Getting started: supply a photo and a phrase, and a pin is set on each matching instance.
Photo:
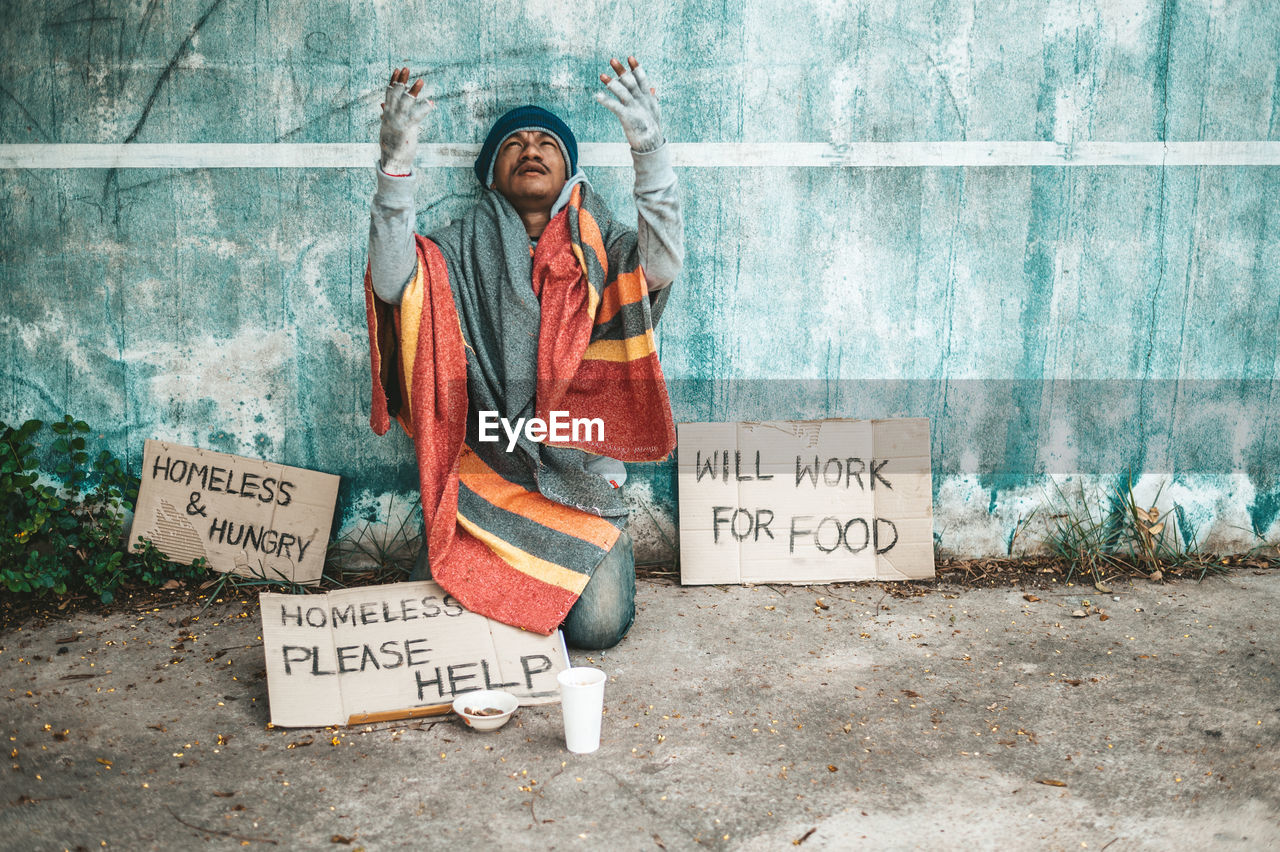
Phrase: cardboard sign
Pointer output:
(358, 655)
(246, 516)
(805, 501)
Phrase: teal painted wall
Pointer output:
(1050, 320)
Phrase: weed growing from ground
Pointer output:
(1123, 537)
(376, 553)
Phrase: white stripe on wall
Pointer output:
(691, 155)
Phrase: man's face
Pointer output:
(529, 170)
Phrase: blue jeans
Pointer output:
(606, 609)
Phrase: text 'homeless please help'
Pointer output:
(431, 679)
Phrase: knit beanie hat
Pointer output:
(525, 118)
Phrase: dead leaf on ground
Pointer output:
(821, 604)
(911, 693)
(338, 838)
(222, 795)
(1051, 782)
(1031, 598)
(305, 741)
(802, 838)
(172, 584)
(1079, 613)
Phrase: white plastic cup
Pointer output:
(582, 703)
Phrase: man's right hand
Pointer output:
(402, 114)
(636, 105)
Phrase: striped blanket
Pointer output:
(486, 325)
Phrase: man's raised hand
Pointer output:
(402, 114)
(636, 105)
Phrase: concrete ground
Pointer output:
(736, 718)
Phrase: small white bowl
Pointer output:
(485, 699)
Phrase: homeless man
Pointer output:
(536, 305)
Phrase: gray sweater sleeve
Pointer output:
(660, 227)
(392, 255)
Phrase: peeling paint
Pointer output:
(223, 307)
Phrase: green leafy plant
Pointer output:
(65, 537)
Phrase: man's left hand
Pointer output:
(636, 105)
